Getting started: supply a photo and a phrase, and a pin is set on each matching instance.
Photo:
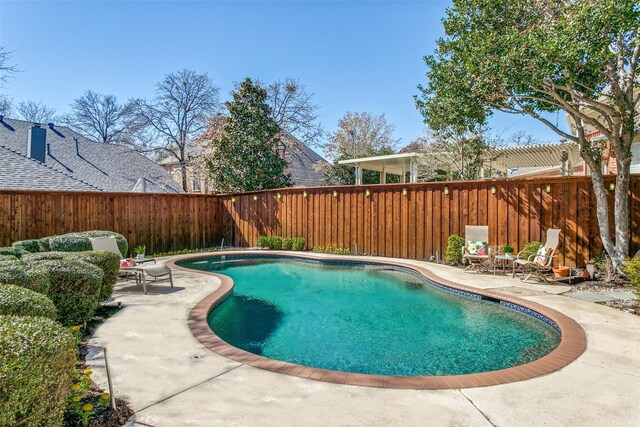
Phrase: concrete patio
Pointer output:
(170, 379)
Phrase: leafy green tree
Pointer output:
(358, 135)
(245, 156)
(537, 57)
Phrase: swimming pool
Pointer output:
(369, 319)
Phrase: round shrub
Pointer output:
(28, 245)
(26, 275)
(16, 252)
(79, 242)
(37, 358)
(8, 258)
(632, 270)
(299, 244)
(531, 248)
(275, 242)
(453, 255)
(108, 262)
(74, 288)
(20, 301)
(287, 244)
(262, 242)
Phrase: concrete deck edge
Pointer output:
(572, 344)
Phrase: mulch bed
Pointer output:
(601, 287)
(102, 417)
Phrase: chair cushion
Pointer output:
(477, 247)
(542, 257)
(156, 270)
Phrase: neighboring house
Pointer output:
(303, 164)
(608, 162)
(50, 157)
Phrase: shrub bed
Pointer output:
(37, 357)
(29, 276)
(74, 288)
(276, 242)
(19, 301)
(8, 258)
(28, 245)
(79, 242)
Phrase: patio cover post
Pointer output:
(358, 174)
(403, 177)
(413, 172)
(383, 176)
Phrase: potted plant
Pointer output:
(508, 250)
(139, 250)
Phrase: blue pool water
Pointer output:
(368, 319)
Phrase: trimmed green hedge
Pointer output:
(37, 359)
(44, 256)
(74, 287)
(28, 276)
(19, 301)
(79, 242)
(8, 258)
(44, 244)
(16, 252)
(28, 245)
(108, 262)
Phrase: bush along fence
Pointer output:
(404, 220)
(49, 289)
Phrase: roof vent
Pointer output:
(1, 117)
(36, 143)
(51, 125)
(77, 146)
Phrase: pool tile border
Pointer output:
(572, 344)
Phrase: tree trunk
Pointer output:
(621, 217)
(618, 250)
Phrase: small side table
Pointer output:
(504, 260)
(144, 260)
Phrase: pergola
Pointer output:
(506, 161)
(396, 164)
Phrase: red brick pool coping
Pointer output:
(572, 344)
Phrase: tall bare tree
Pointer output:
(36, 112)
(293, 109)
(183, 102)
(358, 135)
(6, 70)
(98, 117)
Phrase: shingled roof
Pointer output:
(73, 162)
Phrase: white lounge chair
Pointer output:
(476, 251)
(542, 261)
(156, 271)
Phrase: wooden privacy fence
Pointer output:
(415, 220)
(404, 220)
(161, 222)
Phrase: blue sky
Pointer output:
(355, 56)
